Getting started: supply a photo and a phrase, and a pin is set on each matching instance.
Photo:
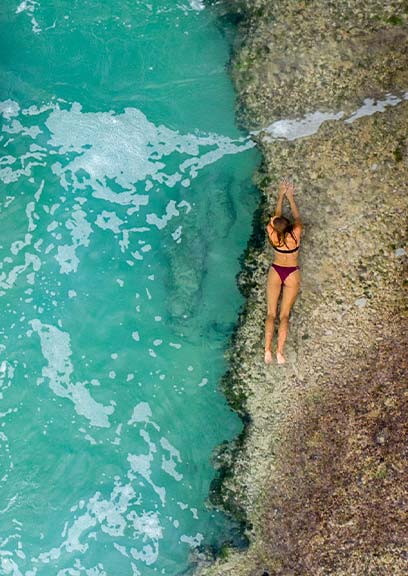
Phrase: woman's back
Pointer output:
(286, 251)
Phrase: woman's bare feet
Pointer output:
(280, 358)
(268, 357)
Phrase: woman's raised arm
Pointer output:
(293, 206)
(281, 194)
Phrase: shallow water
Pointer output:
(126, 200)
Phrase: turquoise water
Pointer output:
(126, 201)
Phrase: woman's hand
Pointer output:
(289, 190)
(285, 187)
(282, 187)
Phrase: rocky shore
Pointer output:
(320, 474)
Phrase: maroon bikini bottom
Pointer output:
(284, 271)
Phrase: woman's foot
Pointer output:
(268, 357)
(280, 358)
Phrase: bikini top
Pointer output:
(286, 251)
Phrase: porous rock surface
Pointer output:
(321, 474)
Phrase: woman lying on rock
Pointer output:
(284, 274)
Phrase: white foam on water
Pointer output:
(26, 6)
(292, 129)
(161, 222)
(8, 280)
(7, 565)
(148, 554)
(18, 245)
(193, 541)
(56, 349)
(15, 127)
(175, 345)
(128, 148)
(141, 413)
(197, 5)
(169, 464)
(141, 466)
(29, 6)
(81, 230)
(116, 157)
(36, 110)
(109, 221)
(371, 106)
(147, 525)
(9, 108)
(115, 516)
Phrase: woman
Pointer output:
(284, 274)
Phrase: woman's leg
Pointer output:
(273, 289)
(290, 291)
